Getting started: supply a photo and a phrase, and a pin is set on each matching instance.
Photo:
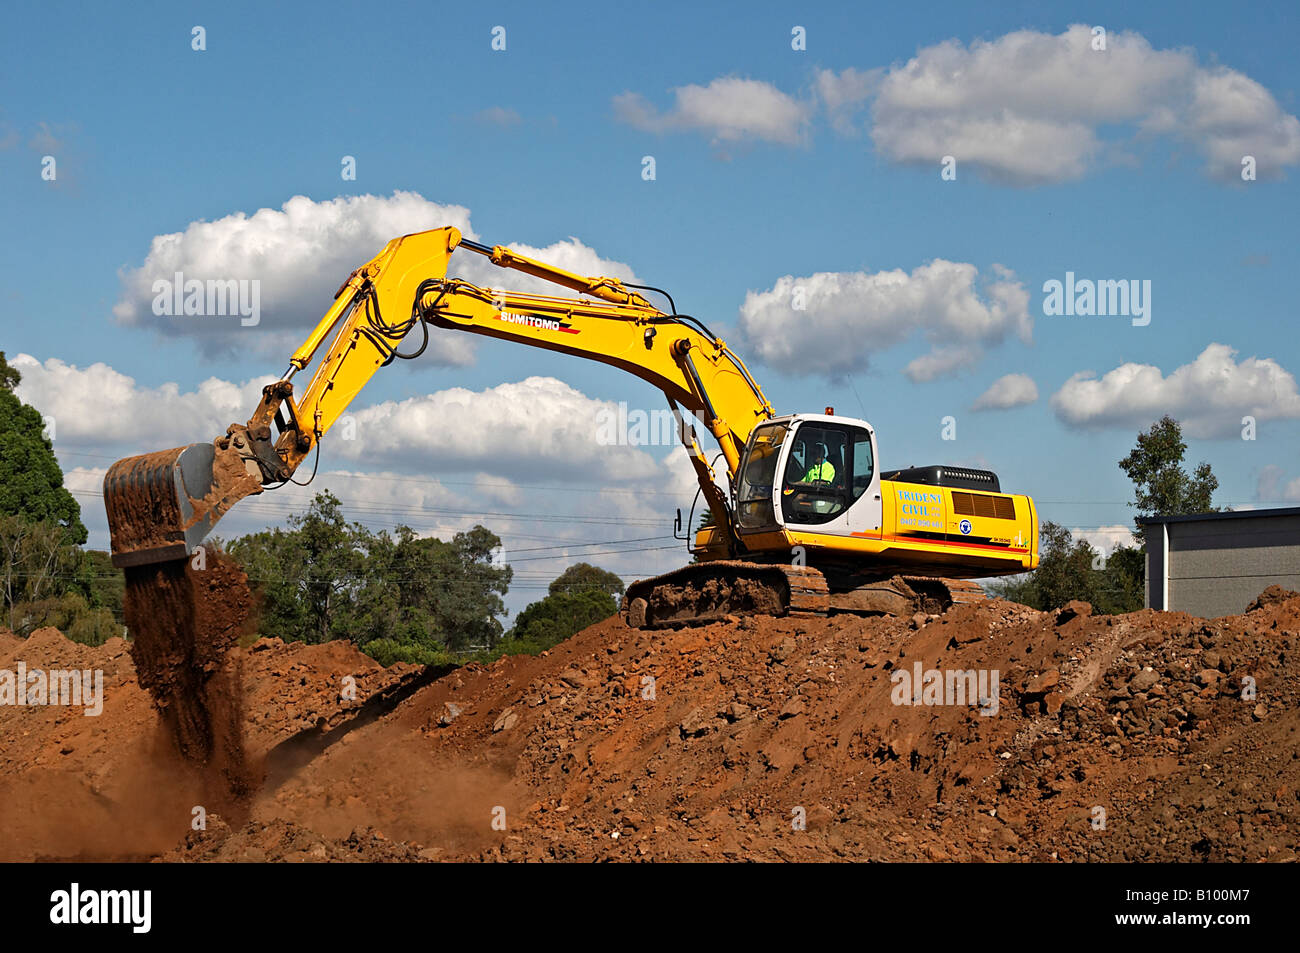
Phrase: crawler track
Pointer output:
(709, 591)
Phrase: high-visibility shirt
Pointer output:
(819, 471)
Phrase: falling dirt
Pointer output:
(1143, 737)
(184, 622)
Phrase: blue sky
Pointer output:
(539, 143)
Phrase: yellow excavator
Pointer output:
(809, 523)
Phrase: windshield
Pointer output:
(816, 474)
(754, 499)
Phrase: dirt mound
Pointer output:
(285, 842)
(1271, 596)
(989, 732)
(1131, 737)
(112, 785)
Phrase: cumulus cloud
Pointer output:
(300, 254)
(1208, 397)
(569, 254)
(841, 93)
(624, 528)
(1030, 107)
(380, 499)
(498, 488)
(1010, 390)
(517, 431)
(830, 323)
(98, 405)
(728, 109)
(1106, 539)
(538, 427)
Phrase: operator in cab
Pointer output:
(821, 469)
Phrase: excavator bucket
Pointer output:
(161, 505)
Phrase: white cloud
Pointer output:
(569, 254)
(517, 431)
(380, 499)
(303, 251)
(1106, 539)
(544, 531)
(729, 109)
(498, 488)
(97, 405)
(1030, 107)
(1208, 396)
(942, 362)
(1272, 490)
(1010, 390)
(849, 316)
(535, 428)
(842, 92)
(1232, 116)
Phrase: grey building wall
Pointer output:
(1218, 565)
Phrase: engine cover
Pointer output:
(963, 478)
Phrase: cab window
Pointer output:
(815, 488)
(757, 473)
(864, 467)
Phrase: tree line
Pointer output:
(47, 578)
(403, 597)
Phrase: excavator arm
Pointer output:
(161, 505)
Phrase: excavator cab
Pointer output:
(809, 470)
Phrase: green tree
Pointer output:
(35, 563)
(105, 584)
(274, 566)
(416, 598)
(31, 481)
(330, 559)
(1122, 584)
(9, 376)
(433, 594)
(306, 576)
(1064, 567)
(45, 577)
(475, 586)
(549, 621)
(1067, 570)
(1064, 572)
(46, 580)
(1161, 486)
(581, 576)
